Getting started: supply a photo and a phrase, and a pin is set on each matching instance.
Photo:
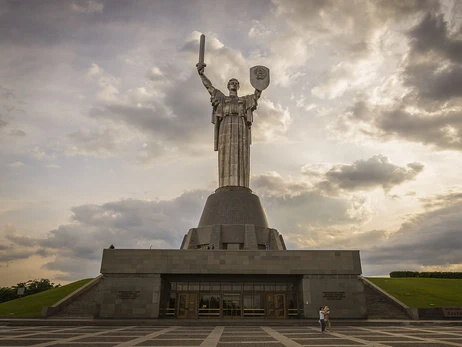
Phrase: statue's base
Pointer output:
(233, 218)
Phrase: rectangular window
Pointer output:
(281, 287)
(182, 286)
(236, 286)
(226, 286)
(205, 286)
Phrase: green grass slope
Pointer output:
(31, 306)
(422, 292)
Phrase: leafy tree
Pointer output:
(30, 287)
(7, 294)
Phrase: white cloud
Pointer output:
(53, 166)
(16, 164)
(87, 6)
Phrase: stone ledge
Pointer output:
(140, 261)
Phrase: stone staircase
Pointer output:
(380, 307)
(81, 307)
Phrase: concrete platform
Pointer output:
(219, 322)
(230, 336)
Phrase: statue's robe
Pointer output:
(233, 117)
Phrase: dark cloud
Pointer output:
(18, 239)
(431, 35)
(431, 238)
(77, 246)
(294, 205)
(441, 200)
(443, 130)
(434, 83)
(433, 68)
(377, 171)
(12, 254)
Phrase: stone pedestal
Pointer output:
(233, 218)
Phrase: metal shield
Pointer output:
(259, 77)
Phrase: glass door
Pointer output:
(232, 306)
(275, 306)
(187, 305)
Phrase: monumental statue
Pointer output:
(232, 116)
(233, 217)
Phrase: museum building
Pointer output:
(245, 273)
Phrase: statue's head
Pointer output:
(233, 85)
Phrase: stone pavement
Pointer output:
(230, 336)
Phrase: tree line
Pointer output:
(433, 274)
(30, 287)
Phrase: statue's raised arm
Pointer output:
(205, 81)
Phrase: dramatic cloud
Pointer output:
(297, 206)
(429, 109)
(431, 238)
(130, 223)
(377, 171)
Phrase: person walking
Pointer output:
(327, 318)
(321, 319)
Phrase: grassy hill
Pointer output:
(31, 306)
(422, 292)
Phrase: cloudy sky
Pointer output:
(105, 133)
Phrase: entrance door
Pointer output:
(232, 306)
(276, 306)
(187, 305)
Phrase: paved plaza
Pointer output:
(230, 336)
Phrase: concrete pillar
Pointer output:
(250, 237)
(215, 237)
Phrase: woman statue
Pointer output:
(233, 117)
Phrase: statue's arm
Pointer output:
(207, 84)
(205, 81)
(257, 94)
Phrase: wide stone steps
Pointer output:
(379, 307)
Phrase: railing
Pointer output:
(295, 313)
(170, 312)
(254, 312)
(209, 312)
(248, 312)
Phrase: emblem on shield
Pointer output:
(259, 77)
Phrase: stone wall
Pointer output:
(138, 261)
(344, 294)
(134, 296)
